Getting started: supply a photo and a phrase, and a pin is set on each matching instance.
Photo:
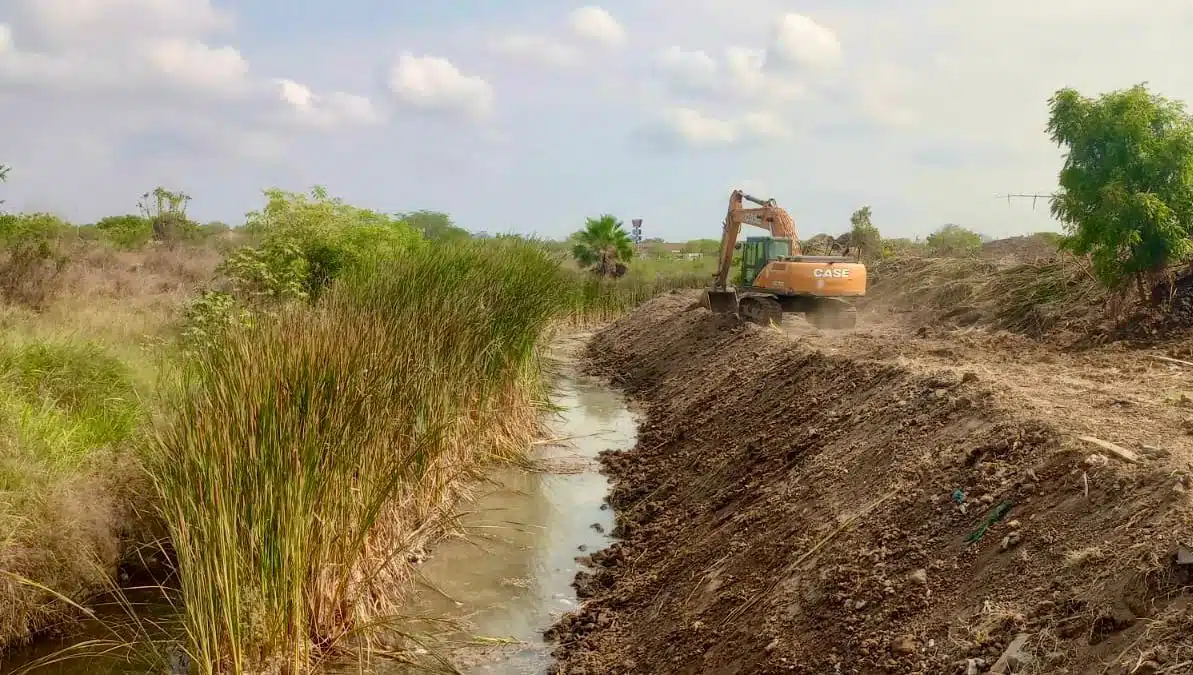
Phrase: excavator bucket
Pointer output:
(721, 302)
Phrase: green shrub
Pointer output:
(953, 241)
(327, 235)
(128, 232)
(33, 260)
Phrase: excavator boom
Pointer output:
(767, 216)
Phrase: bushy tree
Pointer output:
(603, 246)
(1126, 186)
(863, 236)
(435, 226)
(166, 212)
(310, 240)
(952, 241)
(129, 232)
(33, 260)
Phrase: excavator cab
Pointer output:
(756, 252)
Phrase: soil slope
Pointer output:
(811, 502)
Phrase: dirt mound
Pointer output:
(1058, 298)
(1055, 298)
(1030, 248)
(791, 511)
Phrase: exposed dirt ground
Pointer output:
(813, 502)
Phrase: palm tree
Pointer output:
(603, 246)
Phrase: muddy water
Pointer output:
(510, 577)
(490, 593)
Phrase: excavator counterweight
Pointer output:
(776, 278)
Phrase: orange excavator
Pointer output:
(775, 278)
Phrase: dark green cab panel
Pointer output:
(756, 252)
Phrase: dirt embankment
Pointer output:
(885, 501)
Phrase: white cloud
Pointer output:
(799, 50)
(535, 48)
(434, 84)
(689, 70)
(196, 65)
(688, 128)
(738, 76)
(764, 125)
(119, 46)
(336, 110)
(800, 41)
(78, 22)
(598, 26)
(297, 95)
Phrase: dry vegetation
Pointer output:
(279, 414)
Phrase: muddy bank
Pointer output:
(788, 510)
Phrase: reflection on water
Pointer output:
(511, 577)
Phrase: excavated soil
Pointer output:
(814, 502)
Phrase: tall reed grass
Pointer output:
(308, 454)
(596, 300)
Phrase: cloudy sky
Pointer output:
(528, 115)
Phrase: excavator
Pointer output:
(776, 278)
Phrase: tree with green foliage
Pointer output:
(863, 236)
(435, 226)
(4, 169)
(1126, 186)
(954, 241)
(307, 241)
(128, 232)
(166, 212)
(33, 260)
(603, 246)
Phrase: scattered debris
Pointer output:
(993, 518)
(1169, 359)
(1114, 449)
(1014, 658)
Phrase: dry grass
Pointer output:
(72, 380)
(1035, 299)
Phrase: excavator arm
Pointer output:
(767, 216)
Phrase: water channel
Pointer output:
(511, 577)
(508, 577)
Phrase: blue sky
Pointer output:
(528, 116)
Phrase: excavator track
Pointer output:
(760, 310)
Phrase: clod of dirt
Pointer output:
(905, 645)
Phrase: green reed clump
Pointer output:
(593, 299)
(306, 454)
